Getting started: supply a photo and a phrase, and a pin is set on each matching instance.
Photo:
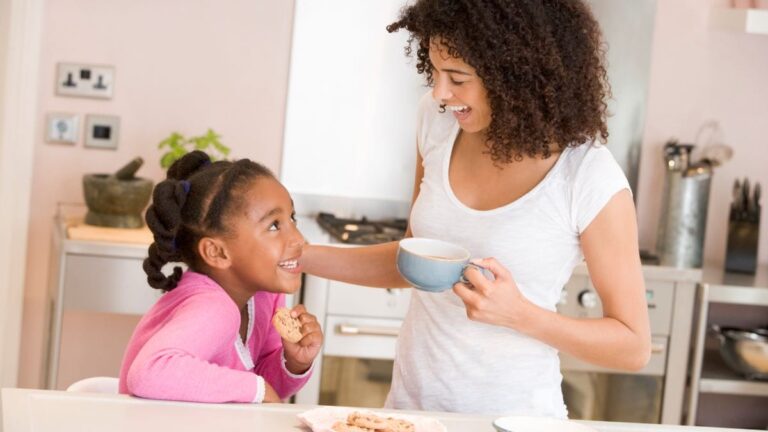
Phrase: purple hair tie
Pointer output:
(185, 184)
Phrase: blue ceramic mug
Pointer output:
(431, 265)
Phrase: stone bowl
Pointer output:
(116, 203)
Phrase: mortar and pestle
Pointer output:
(117, 200)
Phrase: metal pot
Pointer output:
(744, 351)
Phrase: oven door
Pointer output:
(594, 393)
(357, 361)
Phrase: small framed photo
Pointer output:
(102, 131)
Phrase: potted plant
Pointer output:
(177, 145)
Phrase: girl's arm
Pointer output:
(622, 338)
(174, 363)
(373, 266)
(274, 364)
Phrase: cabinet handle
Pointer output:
(347, 329)
(657, 348)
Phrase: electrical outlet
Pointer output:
(62, 128)
(83, 80)
(102, 131)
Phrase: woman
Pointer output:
(509, 167)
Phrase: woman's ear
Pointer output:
(214, 253)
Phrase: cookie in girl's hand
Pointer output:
(287, 326)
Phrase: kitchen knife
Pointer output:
(745, 197)
(735, 207)
(756, 202)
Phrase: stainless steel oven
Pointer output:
(654, 394)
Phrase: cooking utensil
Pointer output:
(744, 351)
(717, 154)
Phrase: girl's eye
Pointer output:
(458, 83)
(274, 226)
(293, 219)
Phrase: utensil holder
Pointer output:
(741, 252)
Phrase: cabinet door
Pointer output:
(107, 284)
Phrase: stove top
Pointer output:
(362, 231)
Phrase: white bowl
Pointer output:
(538, 424)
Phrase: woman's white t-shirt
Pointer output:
(444, 361)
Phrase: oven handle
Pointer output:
(657, 348)
(349, 329)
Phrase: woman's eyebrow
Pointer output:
(456, 71)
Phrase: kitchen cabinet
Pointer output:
(720, 396)
(97, 284)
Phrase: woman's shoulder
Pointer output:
(588, 160)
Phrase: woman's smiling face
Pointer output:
(457, 86)
(264, 241)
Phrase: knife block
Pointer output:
(741, 252)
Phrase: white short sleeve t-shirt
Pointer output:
(444, 361)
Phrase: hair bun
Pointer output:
(189, 164)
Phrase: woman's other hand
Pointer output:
(498, 301)
(300, 355)
(270, 395)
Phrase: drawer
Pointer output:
(655, 367)
(355, 300)
(347, 336)
(107, 284)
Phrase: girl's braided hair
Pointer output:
(541, 62)
(194, 201)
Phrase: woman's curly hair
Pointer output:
(541, 62)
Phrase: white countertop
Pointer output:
(26, 410)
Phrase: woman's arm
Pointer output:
(621, 339)
(373, 266)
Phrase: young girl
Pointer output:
(209, 338)
(508, 167)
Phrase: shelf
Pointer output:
(737, 288)
(716, 377)
(754, 21)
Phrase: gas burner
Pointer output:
(363, 231)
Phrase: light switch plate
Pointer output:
(62, 128)
(84, 80)
(102, 131)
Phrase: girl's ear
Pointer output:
(214, 252)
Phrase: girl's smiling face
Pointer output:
(264, 243)
(459, 88)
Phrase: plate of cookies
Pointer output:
(340, 419)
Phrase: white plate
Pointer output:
(322, 419)
(538, 424)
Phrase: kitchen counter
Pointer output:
(48, 411)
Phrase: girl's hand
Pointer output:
(270, 395)
(497, 302)
(299, 355)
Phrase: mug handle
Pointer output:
(466, 281)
